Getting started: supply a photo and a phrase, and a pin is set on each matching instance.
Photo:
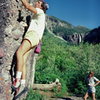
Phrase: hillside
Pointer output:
(65, 30)
(53, 23)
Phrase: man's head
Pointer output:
(91, 74)
(42, 5)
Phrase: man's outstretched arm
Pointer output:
(29, 7)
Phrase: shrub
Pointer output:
(34, 95)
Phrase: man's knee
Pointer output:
(84, 98)
(19, 52)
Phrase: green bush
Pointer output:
(34, 95)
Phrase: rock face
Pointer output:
(75, 38)
(93, 36)
(13, 21)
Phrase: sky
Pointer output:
(77, 12)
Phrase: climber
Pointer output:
(31, 39)
(90, 80)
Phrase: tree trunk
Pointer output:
(47, 86)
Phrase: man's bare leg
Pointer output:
(23, 78)
(22, 50)
(86, 96)
(93, 96)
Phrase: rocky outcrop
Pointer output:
(13, 24)
(75, 38)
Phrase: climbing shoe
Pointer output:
(16, 84)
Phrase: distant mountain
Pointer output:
(66, 30)
(54, 23)
(93, 36)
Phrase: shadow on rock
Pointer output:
(93, 36)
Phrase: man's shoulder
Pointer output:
(39, 11)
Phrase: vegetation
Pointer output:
(63, 31)
(81, 29)
(34, 95)
(69, 63)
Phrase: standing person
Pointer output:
(31, 39)
(91, 83)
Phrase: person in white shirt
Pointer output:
(91, 83)
(31, 39)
